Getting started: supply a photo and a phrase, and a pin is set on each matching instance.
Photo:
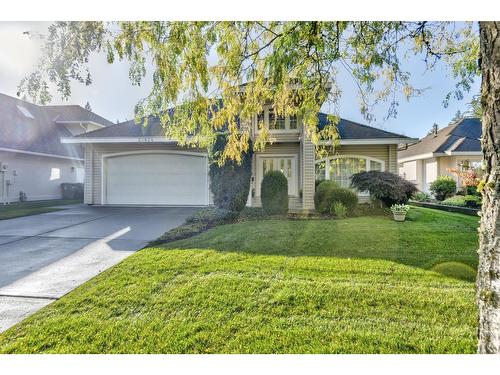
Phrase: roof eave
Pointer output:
(372, 141)
(143, 139)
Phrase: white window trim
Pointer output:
(368, 159)
(287, 129)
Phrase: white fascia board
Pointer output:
(421, 156)
(81, 122)
(117, 140)
(373, 141)
(39, 154)
(464, 153)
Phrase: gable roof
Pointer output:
(348, 130)
(461, 136)
(32, 128)
(75, 113)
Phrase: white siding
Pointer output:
(40, 177)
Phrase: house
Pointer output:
(130, 164)
(457, 146)
(33, 160)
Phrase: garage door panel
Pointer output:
(169, 179)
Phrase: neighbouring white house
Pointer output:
(33, 160)
(133, 164)
(456, 146)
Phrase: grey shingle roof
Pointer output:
(41, 133)
(461, 136)
(76, 113)
(347, 130)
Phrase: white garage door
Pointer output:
(156, 178)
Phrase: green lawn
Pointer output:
(360, 285)
(18, 209)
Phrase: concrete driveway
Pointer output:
(43, 257)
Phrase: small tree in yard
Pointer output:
(229, 182)
(388, 187)
(274, 193)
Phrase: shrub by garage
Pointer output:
(230, 180)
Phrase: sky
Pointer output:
(113, 96)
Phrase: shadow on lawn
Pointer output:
(428, 239)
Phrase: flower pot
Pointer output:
(399, 216)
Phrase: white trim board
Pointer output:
(38, 154)
(373, 141)
(117, 140)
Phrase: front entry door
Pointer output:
(286, 164)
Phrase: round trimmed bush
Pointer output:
(443, 187)
(274, 193)
(322, 190)
(328, 193)
(456, 269)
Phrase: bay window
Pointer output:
(341, 168)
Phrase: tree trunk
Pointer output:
(488, 279)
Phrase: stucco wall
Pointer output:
(40, 177)
(427, 170)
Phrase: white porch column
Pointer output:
(308, 174)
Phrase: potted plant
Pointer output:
(399, 211)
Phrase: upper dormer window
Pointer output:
(277, 123)
(25, 112)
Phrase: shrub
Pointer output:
(339, 210)
(72, 190)
(472, 200)
(252, 213)
(420, 196)
(388, 187)
(472, 190)
(457, 200)
(329, 193)
(443, 187)
(321, 191)
(212, 216)
(198, 222)
(274, 193)
(457, 270)
(230, 182)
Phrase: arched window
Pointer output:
(340, 168)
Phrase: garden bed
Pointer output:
(443, 207)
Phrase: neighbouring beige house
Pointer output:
(32, 159)
(457, 146)
(129, 164)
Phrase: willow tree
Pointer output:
(294, 65)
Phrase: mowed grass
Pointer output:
(18, 209)
(360, 285)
